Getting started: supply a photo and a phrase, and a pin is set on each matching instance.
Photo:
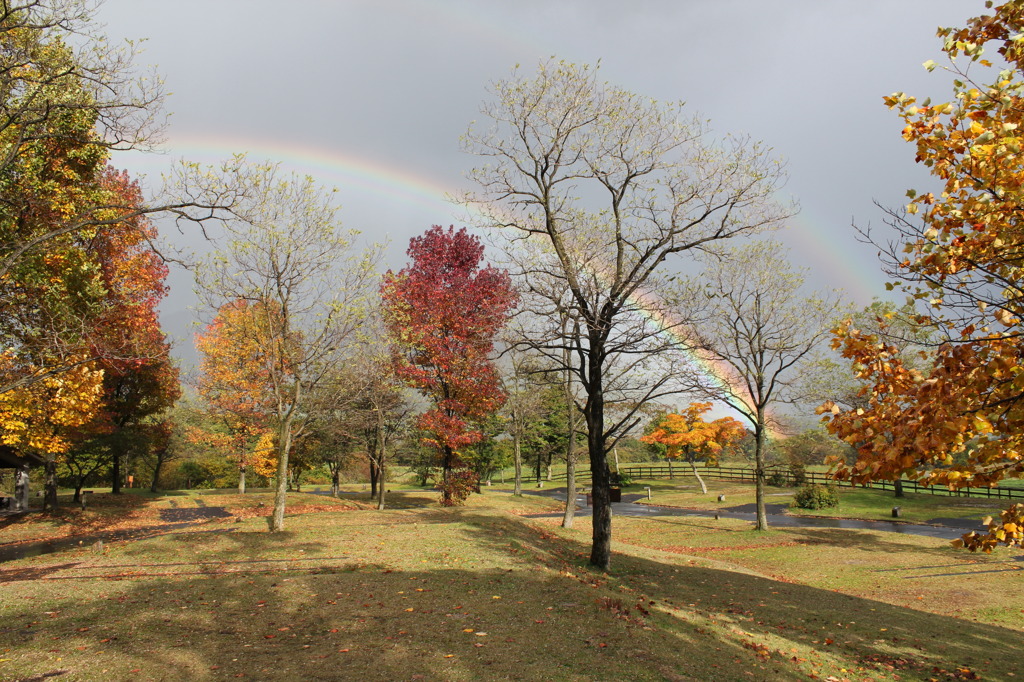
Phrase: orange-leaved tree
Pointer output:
(689, 438)
(959, 421)
(235, 384)
(442, 313)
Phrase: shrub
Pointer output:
(777, 479)
(816, 496)
(622, 480)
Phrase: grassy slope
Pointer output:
(478, 593)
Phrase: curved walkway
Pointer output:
(946, 529)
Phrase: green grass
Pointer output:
(480, 593)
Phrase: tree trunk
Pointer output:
(601, 550)
(21, 488)
(373, 477)
(670, 474)
(703, 487)
(160, 456)
(518, 460)
(241, 480)
(79, 484)
(381, 459)
(380, 481)
(335, 480)
(115, 473)
(570, 476)
(50, 486)
(446, 476)
(898, 487)
(762, 516)
(572, 418)
(284, 440)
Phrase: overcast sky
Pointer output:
(372, 96)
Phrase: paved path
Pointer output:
(628, 507)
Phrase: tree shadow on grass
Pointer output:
(161, 609)
(870, 633)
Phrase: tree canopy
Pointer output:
(957, 421)
(443, 312)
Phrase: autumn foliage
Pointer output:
(959, 423)
(235, 384)
(442, 312)
(688, 437)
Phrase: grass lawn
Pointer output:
(478, 592)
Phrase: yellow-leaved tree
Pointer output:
(958, 420)
(39, 418)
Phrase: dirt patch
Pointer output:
(193, 514)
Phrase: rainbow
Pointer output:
(344, 171)
(711, 367)
(350, 171)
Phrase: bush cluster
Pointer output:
(816, 496)
(777, 480)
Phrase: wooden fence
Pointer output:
(745, 475)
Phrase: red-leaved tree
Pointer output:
(442, 313)
(139, 380)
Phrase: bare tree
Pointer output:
(760, 328)
(385, 411)
(601, 187)
(308, 289)
(523, 402)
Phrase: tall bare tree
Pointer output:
(307, 286)
(760, 327)
(601, 187)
